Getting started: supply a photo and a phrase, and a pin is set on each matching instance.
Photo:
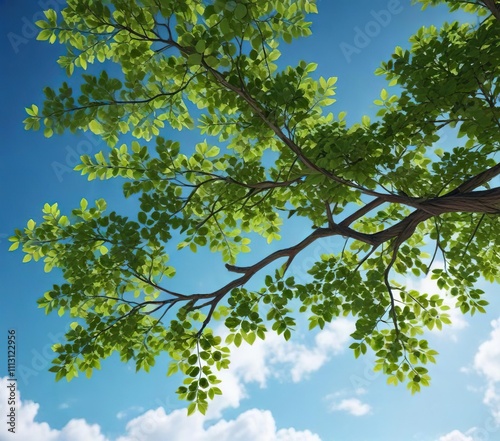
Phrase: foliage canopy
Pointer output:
(385, 187)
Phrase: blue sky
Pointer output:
(309, 389)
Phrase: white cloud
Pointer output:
(488, 431)
(133, 409)
(354, 406)
(27, 429)
(265, 359)
(487, 363)
(487, 359)
(254, 424)
(456, 435)
(153, 425)
(332, 340)
(80, 430)
(276, 358)
(492, 399)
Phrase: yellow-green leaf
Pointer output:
(96, 127)
(191, 408)
(44, 35)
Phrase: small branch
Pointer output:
(389, 290)
(361, 212)
(329, 215)
(473, 234)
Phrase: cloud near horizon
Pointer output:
(456, 435)
(153, 425)
(276, 358)
(265, 359)
(487, 364)
(353, 406)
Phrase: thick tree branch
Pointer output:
(455, 201)
(493, 7)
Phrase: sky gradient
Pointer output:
(308, 389)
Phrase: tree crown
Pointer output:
(385, 188)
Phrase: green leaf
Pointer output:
(240, 11)
(214, 151)
(194, 60)
(172, 369)
(237, 340)
(200, 47)
(63, 221)
(33, 111)
(96, 127)
(212, 61)
(225, 28)
(44, 34)
(191, 409)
